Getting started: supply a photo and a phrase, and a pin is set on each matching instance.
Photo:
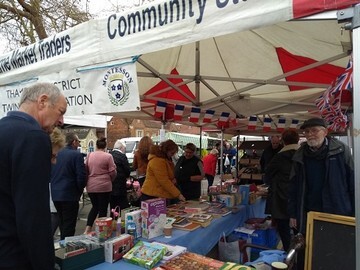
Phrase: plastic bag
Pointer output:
(229, 251)
(227, 161)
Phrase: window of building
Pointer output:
(91, 146)
(139, 133)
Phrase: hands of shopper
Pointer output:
(181, 198)
(293, 223)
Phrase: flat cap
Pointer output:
(314, 122)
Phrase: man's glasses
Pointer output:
(313, 130)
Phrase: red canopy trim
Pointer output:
(324, 74)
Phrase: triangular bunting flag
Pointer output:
(224, 117)
(294, 124)
(281, 125)
(178, 112)
(208, 116)
(160, 109)
(267, 124)
(194, 115)
(252, 122)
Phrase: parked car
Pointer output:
(131, 145)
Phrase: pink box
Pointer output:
(153, 217)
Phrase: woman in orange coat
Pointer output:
(159, 180)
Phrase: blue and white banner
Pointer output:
(97, 90)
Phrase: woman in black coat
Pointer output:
(277, 174)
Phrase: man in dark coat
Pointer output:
(189, 172)
(270, 151)
(322, 177)
(26, 241)
(119, 192)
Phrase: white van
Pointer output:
(131, 145)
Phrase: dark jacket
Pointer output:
(267, 156)
(25, 166)
(184, 169)
(278, 175)
(68, 176)
(338, 189)
(123, 172)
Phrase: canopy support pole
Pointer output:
(353, 15)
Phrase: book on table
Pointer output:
(219, 212)
(186, 225)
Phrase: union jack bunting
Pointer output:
(329, 103)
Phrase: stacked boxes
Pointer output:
(116, 248)
(153, 217)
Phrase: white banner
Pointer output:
(93, 91)
(152, 27)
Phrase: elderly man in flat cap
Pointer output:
(322, 177)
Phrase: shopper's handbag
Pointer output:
(229, 251)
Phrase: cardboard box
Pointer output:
(134, 216)
(153, 217)
(244, 161)
(81, 261)
(228, 176)
(246, 176)
(254, 161)
(228, 199)
(116, 248)
(128, 210)
(257, 176)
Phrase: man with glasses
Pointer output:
(322, 177)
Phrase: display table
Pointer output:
(202, 240)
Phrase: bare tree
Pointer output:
(25, 22)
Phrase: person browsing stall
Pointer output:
(119, 193)
(322, 177)
(101, 171)
(278, 174)
(210, 161)
(159, 181)
(189, 172)
(57, 143)
(141, 158)
(25, 168)
(68, 179)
